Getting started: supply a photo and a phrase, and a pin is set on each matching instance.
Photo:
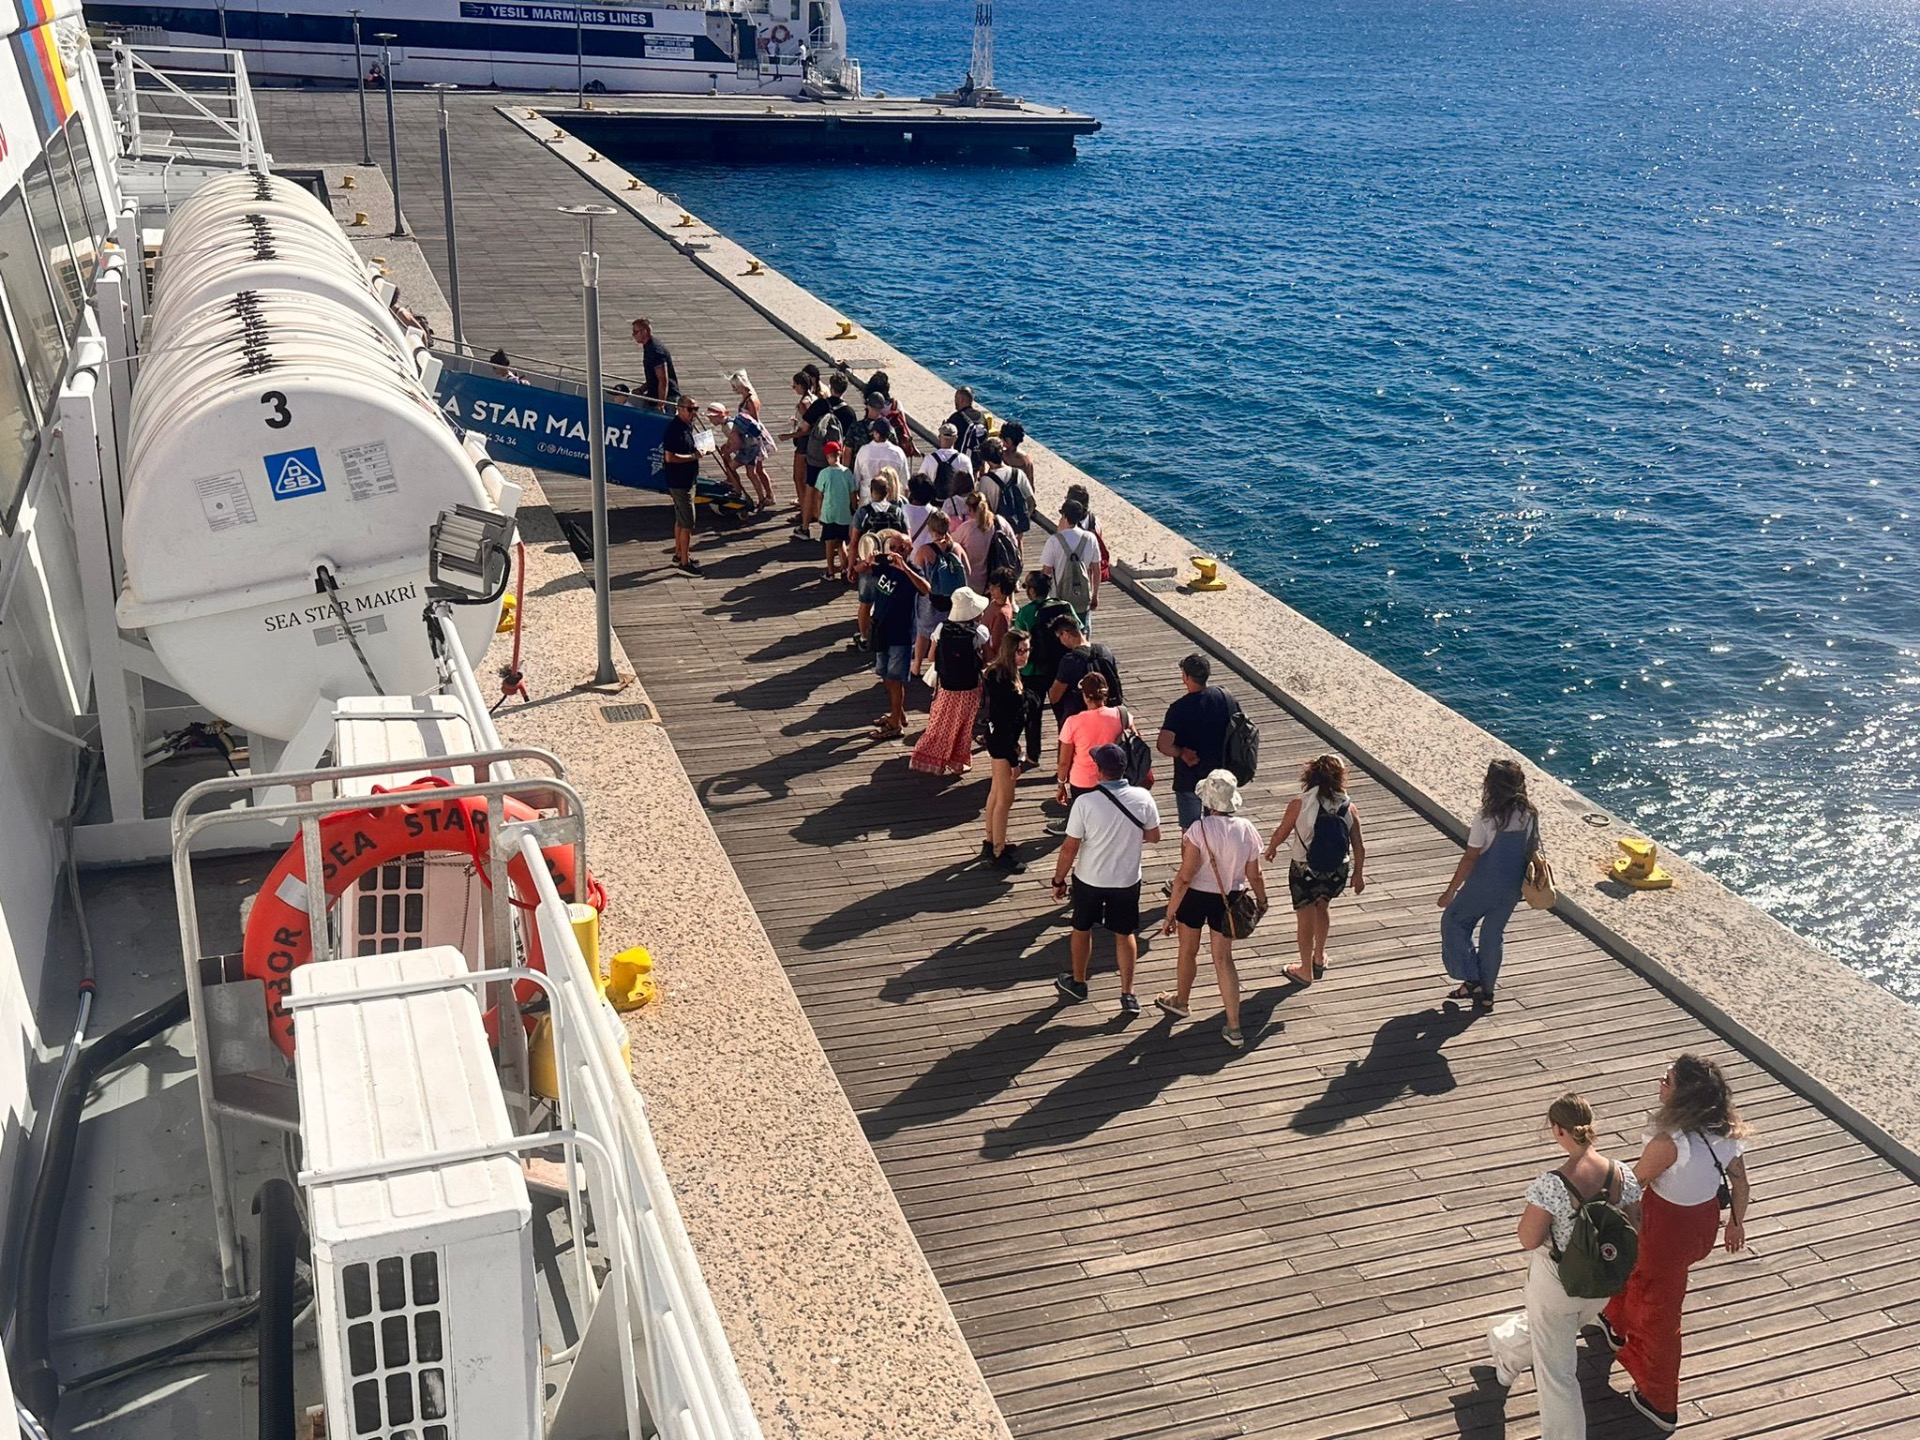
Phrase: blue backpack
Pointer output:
(946, 574)
(1331, 842)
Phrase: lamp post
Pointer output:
(446, 198)
(596, 443)
(386, 39)
(360, 84)
(579, 61)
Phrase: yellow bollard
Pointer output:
(632, 184)
(630, 983)
(1637, 867)
(845, 333)
(543, 1069)
(684, 221)
(592, 155)
(507, 607)
(359, 217)
(586, 933)
(1208, 577)
(347, 182)
(753, 268)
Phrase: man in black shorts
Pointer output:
(680, 458)
(1106, 829)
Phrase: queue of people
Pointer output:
(934, 546)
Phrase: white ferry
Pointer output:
(411, 1183)
(729, 47)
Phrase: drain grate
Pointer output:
(1159, 585)
(627, 714)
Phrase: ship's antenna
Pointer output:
(981, 72)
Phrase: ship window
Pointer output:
(43, 209)
(19, 434)
(97, 201)
(34, 320)
(83, 220)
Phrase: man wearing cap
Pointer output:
(836, 486)
(944, 462)
(680, 458)
(880, 453)
(1099, 866)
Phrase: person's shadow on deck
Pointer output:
(1130, 1078)
(791, 687)
(774, 594)
(962, 1079)
(1405, 1059)
(772, 778)
(963, 885)
(988, 959)
(901, 804)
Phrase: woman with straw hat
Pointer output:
(1219, 856)
(946, 746)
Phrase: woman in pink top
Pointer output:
(1098, 724)
(973, 533)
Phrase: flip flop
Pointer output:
(1294, 975)
(1320, 970)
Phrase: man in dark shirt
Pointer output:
(1194, 734)
(657, 362)
(969, 425)
(680, 458)
(1077, 657)
(896, 587)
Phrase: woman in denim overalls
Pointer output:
(1486, 884)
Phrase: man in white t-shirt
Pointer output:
(945, 462)
(1085, 546)
(1106, 829)
(876, 455)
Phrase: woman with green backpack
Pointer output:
(1576, 1235)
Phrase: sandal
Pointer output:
(1170, 1005)
(885, 731)
(1319, 969)
(1294, 975)
(1483, 1004)
(1464, 992)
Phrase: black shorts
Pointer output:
(1118, 910)
(1003, 746)
(1203, 908)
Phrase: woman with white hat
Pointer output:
(1219, 857)
(946, 746)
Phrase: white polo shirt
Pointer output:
(1110, 843)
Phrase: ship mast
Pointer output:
(980, 73)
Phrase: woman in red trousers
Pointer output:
(1692, 1169)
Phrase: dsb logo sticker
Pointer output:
(295, 472)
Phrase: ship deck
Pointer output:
(1142, 1233)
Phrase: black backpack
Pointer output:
(1332, 842)
(1601, 1252)
(1241, 753)
(955, 660)
(1100, 658)
(943, 472)
(1139, 754)
(1016, 504)
(1002, 553)
(1044, 654)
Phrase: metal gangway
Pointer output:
(182, 113)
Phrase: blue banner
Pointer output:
(547, 429)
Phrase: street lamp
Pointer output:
(360, 84)
(446, 197)
(579, 61)
(386, 39)
(596, 443)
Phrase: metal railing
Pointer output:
(178, 103)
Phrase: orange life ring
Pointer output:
(780, 34)
(352, 842)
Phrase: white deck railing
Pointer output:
(177, 103)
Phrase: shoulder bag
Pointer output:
(1536, 886)
(1243, 911)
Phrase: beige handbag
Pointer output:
(1536, 888)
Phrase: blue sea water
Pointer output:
(1563, 357)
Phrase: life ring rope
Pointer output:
(780, 34)
(354, 842)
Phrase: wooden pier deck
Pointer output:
(1143, 1233)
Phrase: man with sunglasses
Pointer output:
(680, 458)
